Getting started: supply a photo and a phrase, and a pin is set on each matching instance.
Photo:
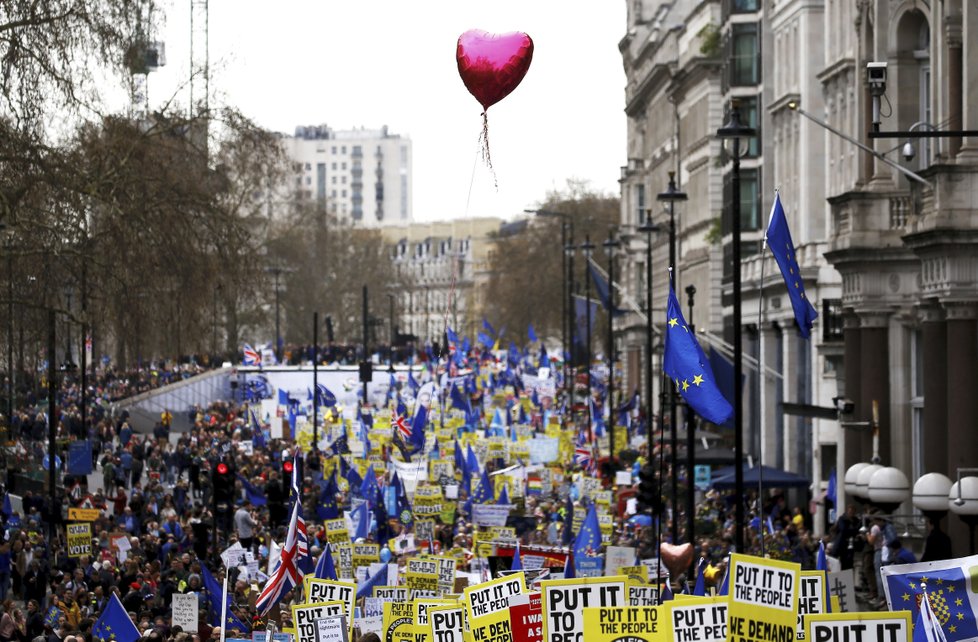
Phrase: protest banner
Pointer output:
(491, 514)
(842, 587)
(811, 598)
(698, 619)
(183, 611)
(637, 575)
(564, 602)
(763, 598)
(332, 591)
(398, 622)
(859, 627)
(445, 623)
(79, 539)
(487, 608)
(365, 554)
(647, 595)
(333, 629)
(526, 617)
(619, 623)
(83, 514)
(305, 618)
(391, 593)
(422, 631)
(336, 531)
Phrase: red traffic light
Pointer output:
(287, 466)
(222, 469)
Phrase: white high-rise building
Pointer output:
(363, 176)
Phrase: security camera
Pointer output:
(908, 151)
(876, 77)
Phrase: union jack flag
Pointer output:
(294, 558)
(400, 423)
(251, 356)
(583, 457)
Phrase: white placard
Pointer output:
(184, 611)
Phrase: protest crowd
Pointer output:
(175, 513)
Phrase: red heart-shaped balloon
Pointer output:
(676, 558)
(492, 65)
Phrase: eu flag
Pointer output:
(114, 624)
(326, 507)
(214, 593)
(949, 586)
(685, 363)
(484, 492)
(778, 239)
(588, 542)
(325, 569)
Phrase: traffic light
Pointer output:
(648, 490)
(223, 481)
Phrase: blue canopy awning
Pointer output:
(768, 477)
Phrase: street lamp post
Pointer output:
(277, 273)
(648, 228)
(734, 130)
(587, 247)
(671, 196)
(610, 246)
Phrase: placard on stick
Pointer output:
(564, 602)
(763, 598)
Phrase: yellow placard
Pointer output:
(563, 603)
(812, 593)
(487, 608)
(445, 623)
(317, 590)
(763, 600)
(306, 616)
(637, 575)
(422, 630)
(83, 514)
(880, 626)
(699, 619)
(79, 539)
(365, 555)
(398, 622)
(634, 623)
(336, 532)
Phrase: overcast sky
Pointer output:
(368, 63)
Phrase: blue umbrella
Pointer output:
(640, 520)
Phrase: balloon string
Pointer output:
(486, 156)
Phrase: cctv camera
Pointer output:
(876, 77)
(908, 151)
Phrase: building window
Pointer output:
(750, 201)
(343, 166)
(749, 116)
(308, 167)
(745, 59)
(744, 6)
(640, 204)
(343, 180)
(321, 181)
(333, 151)
(832, 325)
(343, 149)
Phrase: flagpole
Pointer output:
(224, 606)
(761, 377)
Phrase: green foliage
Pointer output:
(710, 40)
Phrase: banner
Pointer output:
(445, 623)
(700, 619)
(811, 599)
(859, 627)
(305, 618)
(564, 602)
(631, 623)
(526, 617)
(183, 611)
(491, 514)
(949, 587)
(79, 539)
(763, 600)
(398, 622)
(487, 608)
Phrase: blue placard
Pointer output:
(701, 477)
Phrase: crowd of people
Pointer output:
(158, 491)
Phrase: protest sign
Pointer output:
(422, 632)
(446, 574)
(421, 583)
(391, 593)
(564, 602)
(79, 539)
(445, 623)
(262, 636)
(83, 514)
(332, 591)
(373, 607)
(491, 514)
(763, 600)
(636, 574)
(344, 560)
(365, 554)
(372, 624)
(643, 595)
(336, 531)
(859, 627)
(811, 598)
(616, 557)
(486, 606)
(526, 617)
(398, 622)
(631, 623)
(424, 530)
(699, 619)
(333, 629)
(183, 611)
(305, 618)
(842, 587)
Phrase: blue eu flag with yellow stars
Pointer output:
(114, 624)
(685, 363)
(951, 587)
(779, 240)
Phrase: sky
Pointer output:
(369, 63)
